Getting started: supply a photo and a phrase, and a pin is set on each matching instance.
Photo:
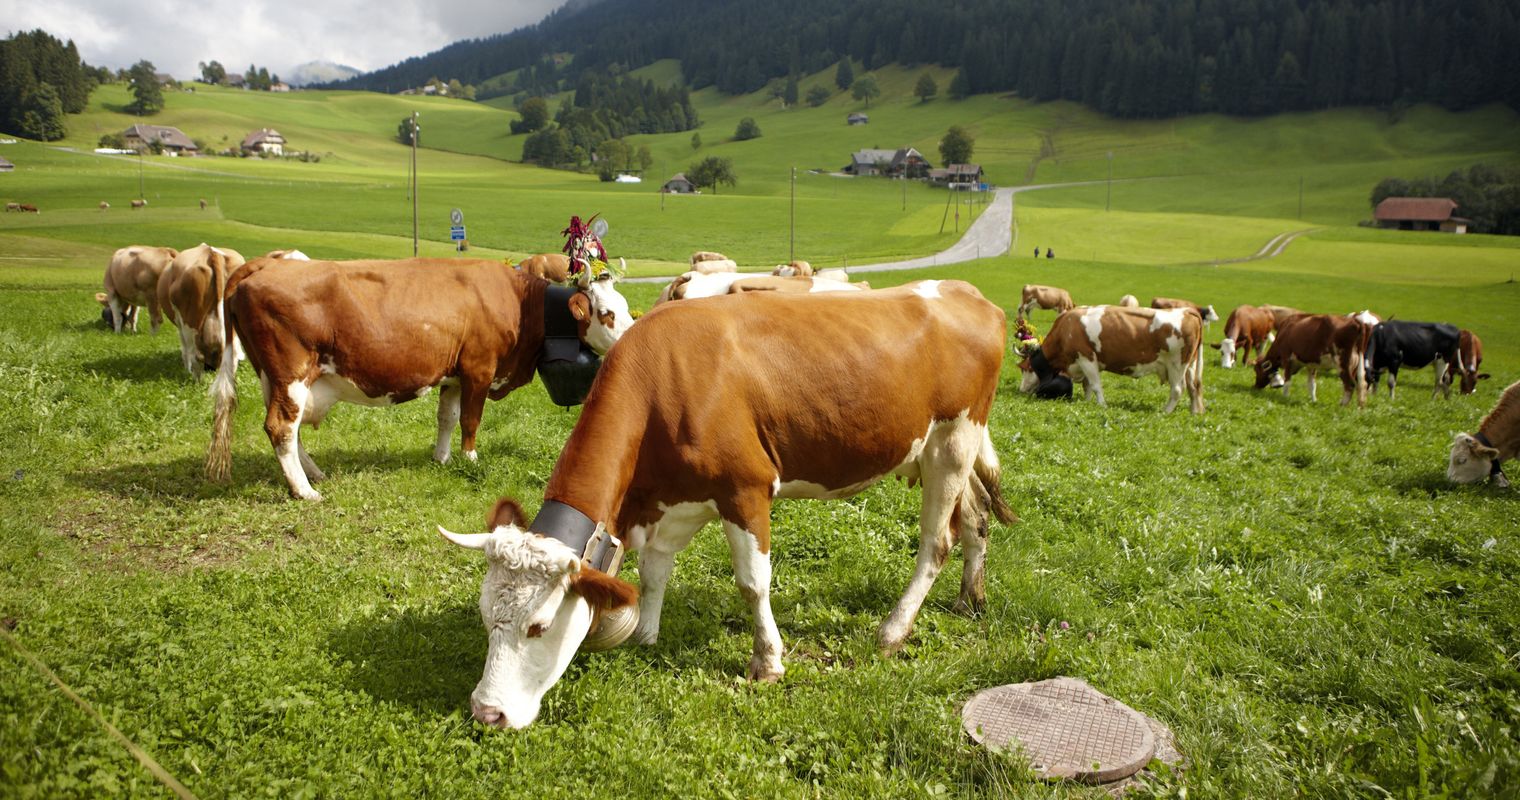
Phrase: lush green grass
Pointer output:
(1293, 587)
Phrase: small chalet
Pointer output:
(6, 166)
(164, 78)
(957, 176)
(173, 140)
(857, 118)
(904, 162)
(237, 81)
(1420, 214)
(279, 87)
(679, 185)
(264, 140)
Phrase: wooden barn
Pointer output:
(1420, 214)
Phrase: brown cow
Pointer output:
(1086, 341)
(692, 285)
(549, 266)
(1280, 314)
(132, 280)
(104, 206)
(1206, 312)
(1314, 342)
(384, 332)
(28, 208)
(1469, 359)
(191, 292)
(795, 269)
(705, 261)
(1248, 329)
(1048, 297)
(667, 443)
(140, 203)
(1477, 456)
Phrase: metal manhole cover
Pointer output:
(1064, 727)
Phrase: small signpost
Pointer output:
(456, 229)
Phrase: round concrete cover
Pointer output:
(1065, 728)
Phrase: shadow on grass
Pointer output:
(137, 367)
(1433, 484)
(184, 479)
(428, 659)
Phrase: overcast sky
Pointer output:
(177, 35)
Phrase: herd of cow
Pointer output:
(692, 415)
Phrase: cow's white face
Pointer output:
(534, 619)
(1470, 461)
(1029, 379)
(1227, 353)
(609, 318)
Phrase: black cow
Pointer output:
(1398, 344)
(1052, 385)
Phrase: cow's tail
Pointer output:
(224, 396)
(987, 472)
(218, 264)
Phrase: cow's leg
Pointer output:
(472, 405)
(945, 468)
(1092, 384)
(155, 316)
(752, 571)
(969, 523)
(657, 560)
(448, 419)
(118, 313)
(1443, 378)
(282, 422)
(187, 351)
(313, 472)
(1174, 377)
(1312, 373)
(1393, 381)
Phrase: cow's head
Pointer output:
(1470, 378)
(600, 309)
(1036, 370)
(1209, 314)
(1471, 460)
(1267, 373)
(1226, 348)
(538, 603)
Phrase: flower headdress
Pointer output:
(584, 248)
(1024, 336)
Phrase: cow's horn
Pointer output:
(474, 541)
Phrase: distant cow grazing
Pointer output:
(139, 203)
(1479, 455)
(549, 266)
(293, 255)
(1048, 297)
(1206, 312)
(667, 443)
(28, 208)
(13, 207)
(1249, 329)
(203, 204)
(1129, 301)
(384, 332)
(132, 280)
(1086, 341)
(1397, 343)
(1469, 359)
(192, 292)
(834, 274)
(692, 285)
(705, 261)
(104, 206)
(129, 313)
(1318, 341)
(795, 269)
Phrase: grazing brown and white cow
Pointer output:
(13, 206)
(692, 285)
(706, 261)
(1318, 341)
(104, 206)
(140, 203)
(293, 255)
(795, 269)
(1206, 312)
(549, 266)
(667, 443)
(1086, 341)
(1479, 455)
(1129, 301)
(1469, 359)
(1248, 329)
(191, 292)
(132, 280)
(1048, 297)
(384, 332)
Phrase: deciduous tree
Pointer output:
(865, 88)
(748, 129)
(956, 147)
(148, 96)
(926, 88)
(844, 76)
(818, 95)
(712, 171)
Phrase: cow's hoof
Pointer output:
(969, 607)
(1501, 481)
(441, 457)
(763, 671)
(472, 455)
(889, 643)
(313, 496)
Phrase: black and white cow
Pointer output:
(1397, 343)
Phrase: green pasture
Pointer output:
(1293, 587)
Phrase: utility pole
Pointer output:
(905, 193)
(1110, 196)
(1300, 197)
(140, 195)
(415, 130)
(793, 247)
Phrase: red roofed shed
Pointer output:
(1419, 214)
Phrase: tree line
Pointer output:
(1130, 58)
(603, 109)
(41, 80)
(1487, 195)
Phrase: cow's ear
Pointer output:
(580, 307)
(1483, 376)
(506, 512)
(601, 590)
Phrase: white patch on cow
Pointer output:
(775, 485)
(1092, 322)
(331, 388)
(752, 572)
(929, 289)
(826, 285)
(535, 624)
(288, 451)
(1366, 315)
(1465, 465)
(1227, 353)
(658, 543)
(605, 298)
(1167, 316)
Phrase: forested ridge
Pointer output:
(1130, 58)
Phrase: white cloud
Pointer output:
(176, 36)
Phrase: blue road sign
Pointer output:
(456, 233)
